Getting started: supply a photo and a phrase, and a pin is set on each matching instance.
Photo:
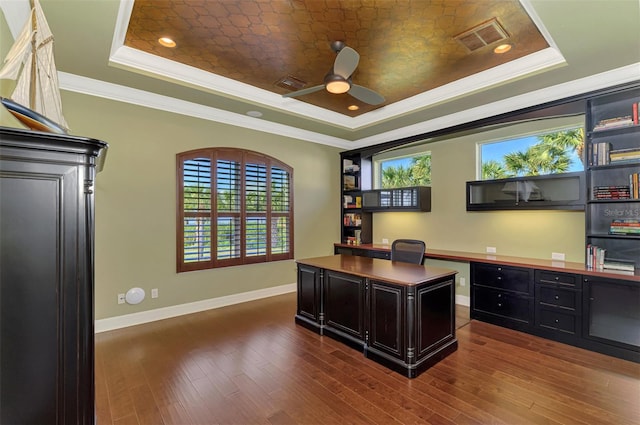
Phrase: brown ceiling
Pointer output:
(406, 47)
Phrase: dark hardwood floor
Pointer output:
(250, 364)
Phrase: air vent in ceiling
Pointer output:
(482, 35)
(290, 83)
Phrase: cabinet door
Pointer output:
(343, 306)
(46, 294)
(309, 293)
(612, 312)
(387, 318)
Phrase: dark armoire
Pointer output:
(47, 277)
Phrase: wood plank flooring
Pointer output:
(250, 364)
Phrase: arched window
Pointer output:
(234, 206)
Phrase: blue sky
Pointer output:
(496, 151)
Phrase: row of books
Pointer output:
(631, 191)
(352, 201)
(352, 219)
(621, 121)
(611, 192)
(602, 154)
(596, 259)
(628, 226)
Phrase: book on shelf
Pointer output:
(621, 265)
(599, 153)
(349, 182)
(624, 154)
(634, 185)
(616, 122)
(352, 220)
(634, 112)
(595, 256)
(629, 227)
(351, 201)
(611, 192)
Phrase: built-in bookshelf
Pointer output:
(613, 188)
(357, 224)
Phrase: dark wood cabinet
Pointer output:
(405, 325)
(611, 319)
(46, 277)
(613, 202)
(558, 305)
(502, 295)
(344, 307)
(309, 286)
(547, 192)
(416, 198)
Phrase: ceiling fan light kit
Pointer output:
(336, 84)
(339, 80)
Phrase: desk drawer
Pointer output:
(509, 278)
(552, 319)
(561, 279)
(556, 297)
(504, 304)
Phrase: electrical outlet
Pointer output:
(385, 241)
(463, 281)
(154, 293)
(121, 299)
(491, 249)
(557, 256)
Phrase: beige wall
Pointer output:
(533, 234)
(136, 202)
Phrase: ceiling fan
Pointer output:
(338, 81)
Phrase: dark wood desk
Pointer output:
(401, 315)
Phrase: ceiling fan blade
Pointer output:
(365, 95)
(304, 91)
(346, 62)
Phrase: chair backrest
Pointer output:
(408, 250)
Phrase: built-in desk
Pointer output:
(401, 315)
(564, 301)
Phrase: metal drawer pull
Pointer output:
(499, 304)
(557, 321)
(557, 297)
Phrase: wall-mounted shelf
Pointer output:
(416, 198)
(548, 192)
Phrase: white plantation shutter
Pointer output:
(250, 218)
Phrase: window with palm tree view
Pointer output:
(404, 171)
(234, 207)
(553, 152)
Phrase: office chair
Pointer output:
(408, 250)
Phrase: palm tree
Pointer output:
(421, 170)
(493, 170)
(396, 177)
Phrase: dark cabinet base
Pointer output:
(405, 327)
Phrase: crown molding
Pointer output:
(119, 93)
(91, 87)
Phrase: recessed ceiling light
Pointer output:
(503, 48)
(353, 107)
(255, 114)
(167, 42)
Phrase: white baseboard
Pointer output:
(463, 300)
(132, 319)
